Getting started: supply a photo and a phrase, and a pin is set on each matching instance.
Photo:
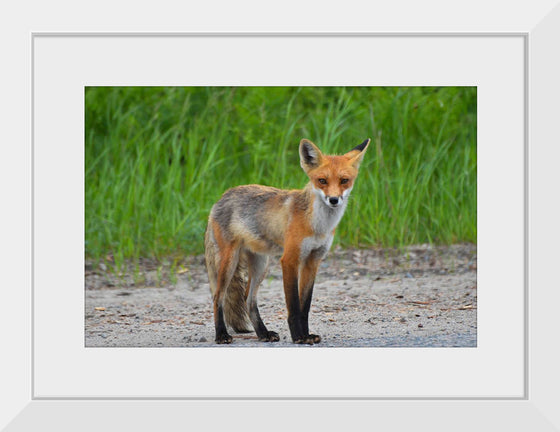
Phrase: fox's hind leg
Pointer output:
(228, 260)
(257, 265)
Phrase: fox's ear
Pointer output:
(357, 153)
(309, 154)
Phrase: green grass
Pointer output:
(156, 159)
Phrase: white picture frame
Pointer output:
(535, 409)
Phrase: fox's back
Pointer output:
(256, 216)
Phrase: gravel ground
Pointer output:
(422, 297)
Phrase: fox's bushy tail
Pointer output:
(235, 307)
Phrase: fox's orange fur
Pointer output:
(250, 223)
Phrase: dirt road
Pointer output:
(422, 297)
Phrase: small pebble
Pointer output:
(203, 339)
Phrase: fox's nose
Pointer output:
(333, 200)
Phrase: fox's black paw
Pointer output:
(316, 338)
(270, 336)
(308, 340)
(224, 339)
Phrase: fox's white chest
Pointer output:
(325, 219)
(318, 245)
(323, 222)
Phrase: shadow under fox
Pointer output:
(250, 223)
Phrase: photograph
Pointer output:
(263, 217)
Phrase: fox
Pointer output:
(251, 223)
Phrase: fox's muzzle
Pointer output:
(334, 201)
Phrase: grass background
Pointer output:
(156, 159)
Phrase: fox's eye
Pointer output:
(343, 181)
(323, 181)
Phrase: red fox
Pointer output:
(251, 222)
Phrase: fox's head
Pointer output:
(332, 177)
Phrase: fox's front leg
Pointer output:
(306, 283)
(290, 267)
